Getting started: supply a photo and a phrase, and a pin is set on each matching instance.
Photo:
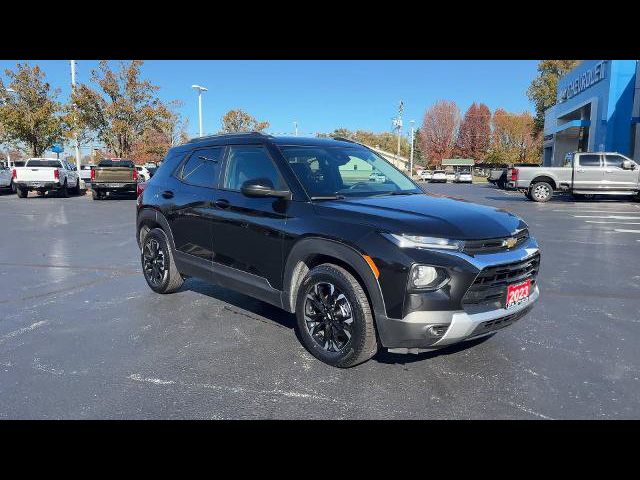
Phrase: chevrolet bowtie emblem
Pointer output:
(510, 242)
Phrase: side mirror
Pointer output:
(628, 165)
(262, 187)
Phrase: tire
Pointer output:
(64, 191)
(541, 192)
(22, 192)
(76, 190)
(167, 278)
(96, 195)
(527, 194)
(326, 290)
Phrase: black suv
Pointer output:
(365, 261)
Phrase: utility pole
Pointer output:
(295, 125)
(397, 124)
(75, 133)
(411, 156)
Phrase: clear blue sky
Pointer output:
(322, 95)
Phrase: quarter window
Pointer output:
(202, 168)
(589, 160)
(251, 163)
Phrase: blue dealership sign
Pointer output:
(57, 148)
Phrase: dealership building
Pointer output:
(597, 109)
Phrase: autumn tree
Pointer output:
(122, 109)
(30, 114)
(544, 88)
(386, 141)
(474, 134)
(438, 131)
(513, 139)
(240, 121)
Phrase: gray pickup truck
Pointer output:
(584, 175)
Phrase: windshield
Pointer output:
(116, 163)
(345, 171)
(44, 163)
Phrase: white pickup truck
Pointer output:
(46, 174)
(586, 174)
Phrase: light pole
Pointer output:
(75, 133)
(200, 89)
(411, 155)
(295, 125)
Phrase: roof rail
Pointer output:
(234, 134)
(345, 139)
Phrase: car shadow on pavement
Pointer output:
(241, 304)
(384, 356)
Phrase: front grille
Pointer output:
(490, 286)
(491, 245)
(498, 323)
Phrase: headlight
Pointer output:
(416, 241)
(425, 277)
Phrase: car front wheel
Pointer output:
(334, 317)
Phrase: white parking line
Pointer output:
(615, 217)
(596, 211)
(626, 231)
(617, 223)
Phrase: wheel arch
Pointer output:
(545, 178)
(150, 218)
(310, 252)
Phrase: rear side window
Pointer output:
(44, 163)
(201, 169)
(589, 160)
(251, 162)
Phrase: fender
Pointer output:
(154, 216)
(296, 268)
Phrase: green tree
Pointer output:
(513, 139)
(240, 121)
(31, 116)
(385, 141)
(122, 109)
(544, 88)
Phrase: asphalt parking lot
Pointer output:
(82, 335)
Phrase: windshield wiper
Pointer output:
(396, 192)
(328, 197)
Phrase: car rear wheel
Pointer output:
(64, 191)
(158, 265)
(334, 317)
(22, 192)
(96, 195)
(541, 192)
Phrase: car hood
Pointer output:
(426, 215)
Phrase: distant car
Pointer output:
(44, 175)
(451, 176)
(463, 177)
(85, 172)
(152, 171)
(113, 175)
(6, 179)
(425, 175)
(439, 176)
(377, 177)
(143, 173)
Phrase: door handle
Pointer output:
(167, 194)
(580, 170)
(608, 171)
(222, 203)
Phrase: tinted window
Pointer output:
(589, 160)
(44, 163)
(251, 163)
(116, 163)
(202, 167)
(614, 160)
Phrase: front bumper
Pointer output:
(424, 326)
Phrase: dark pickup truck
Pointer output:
(113, 175)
